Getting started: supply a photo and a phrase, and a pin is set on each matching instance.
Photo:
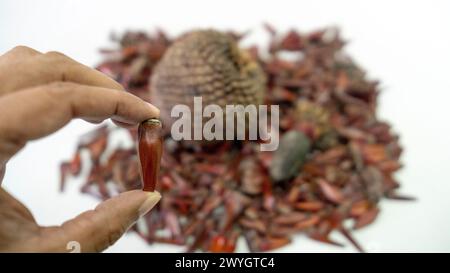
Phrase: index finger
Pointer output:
(37, 112)
(24, 67)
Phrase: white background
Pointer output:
(405, 44)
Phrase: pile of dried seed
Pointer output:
(335, 162)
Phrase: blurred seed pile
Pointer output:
(335, 162)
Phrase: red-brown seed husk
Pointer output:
(150, 146)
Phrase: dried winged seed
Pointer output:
(282, 231)
(128, 52)
(359, 208)
(394, 149)
(136, 68)
(166, 182)
(180, 182)
(313, 169)
(324, 239)
(342, 81)
(346, 165)
(271, 243)
(235, 203)
(222, 243)
(316, 36)
(395, 196)
(374, 153)
(218, 244)
(132, 172)
(118, 176)
(230, 244)
(251, 178)
(283, 207)
(309, 205)
(291, 83)
(367, 218)
(282, 94)
(336, 217)
(75, 164)
(253, 240)
(293, 194)
(291, 218)
(73, 168)
(323, 228)
(210, 204)
(309, 222)
(210, 168)
(268, 197)
(347, 234)
(331, 156)
(389, 166)
(332, 174)
(171, 221)
(268, 202)
(389, 183)
(257, 225)
(292, 41)
(183, 205)
(190, 228)
(330, 192)
(275, 65)
(270, 29)
(352, 133)
(355, 151)
(252, 213)
(97, 147)
(201, 236)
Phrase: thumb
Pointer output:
(96, 230)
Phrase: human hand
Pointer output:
(39, 94)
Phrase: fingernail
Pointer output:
(152, 199)
(154, 109)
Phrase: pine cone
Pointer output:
(313, 119)
(209, 64)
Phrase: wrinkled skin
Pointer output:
(39, 94)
